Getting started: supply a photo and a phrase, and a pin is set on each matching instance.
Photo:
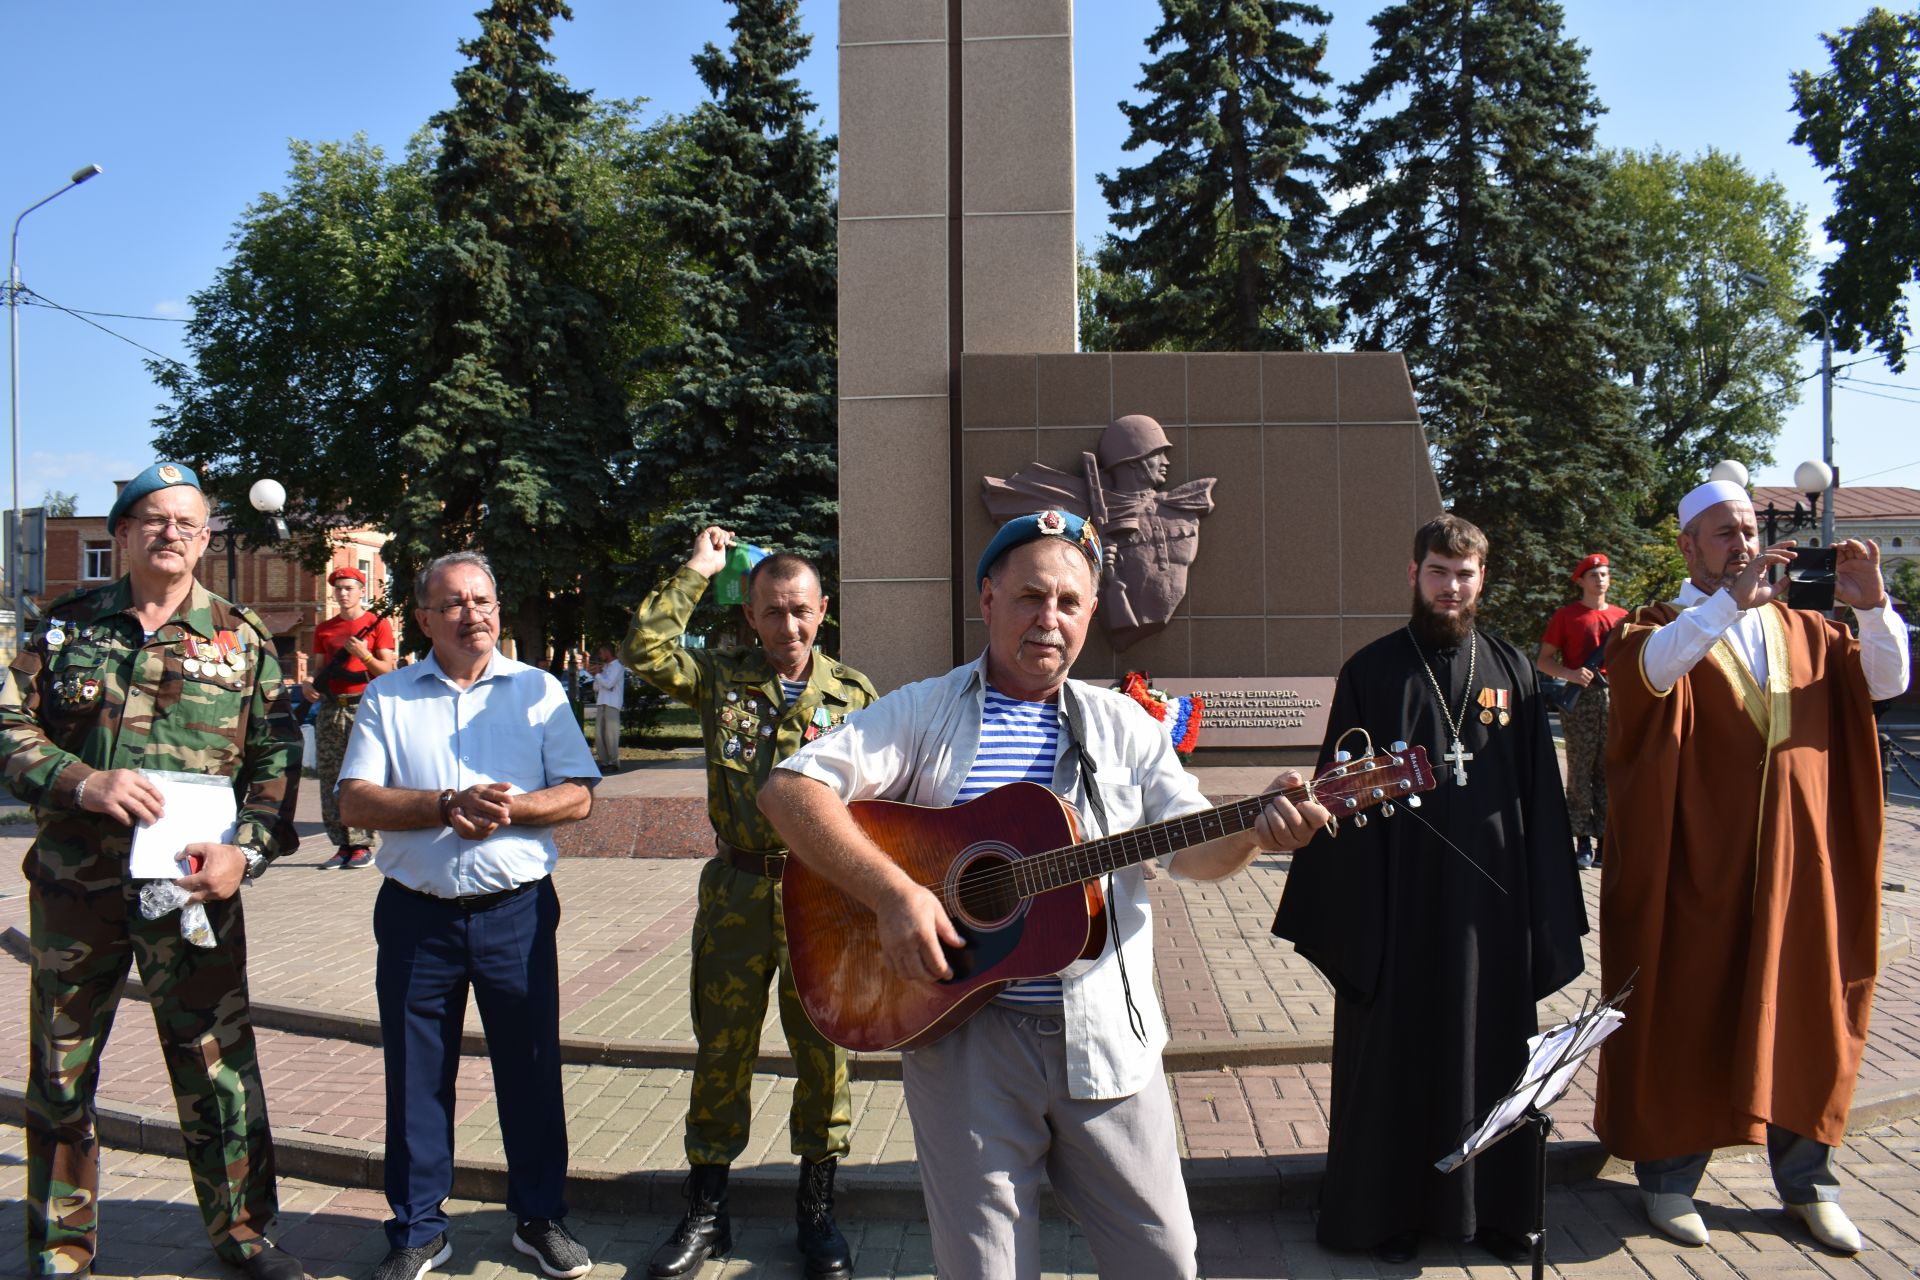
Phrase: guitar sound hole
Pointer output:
(986, 891)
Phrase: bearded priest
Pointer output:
(1438, 928)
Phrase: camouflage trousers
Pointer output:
(739, 941)
(1585, 725)
(82, 943)
(332, 723)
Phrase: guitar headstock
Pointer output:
(1349, 787)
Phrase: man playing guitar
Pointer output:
(1059, 1074)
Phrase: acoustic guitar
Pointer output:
(1021, 889)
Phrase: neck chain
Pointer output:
(1456, 756)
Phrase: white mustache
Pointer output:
(1043, 635)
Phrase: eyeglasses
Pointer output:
(478, 608)
(160, 524)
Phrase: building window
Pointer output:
(1896, 542)
(99, 561)
(366, 570)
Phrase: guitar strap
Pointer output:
(1090, 787)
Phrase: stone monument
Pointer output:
(958, 364)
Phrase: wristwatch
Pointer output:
(256, 861)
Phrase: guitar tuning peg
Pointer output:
(1386, 810)
(1413, 802)
(1359, 819)
(1397, 747)
(1341, 757)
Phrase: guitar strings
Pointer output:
(1069, 859)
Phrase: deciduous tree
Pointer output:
(1861, 120)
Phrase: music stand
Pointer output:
(1554, 1056)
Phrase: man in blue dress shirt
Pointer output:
(466, 761)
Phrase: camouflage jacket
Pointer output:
(738, 695)
(88, 692)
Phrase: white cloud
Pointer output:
(169, 307)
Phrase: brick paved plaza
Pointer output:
(1249, 1019)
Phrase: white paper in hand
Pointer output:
(198, 807)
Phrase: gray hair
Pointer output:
(424, 579)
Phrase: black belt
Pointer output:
(340, 700)
(769, 864)
(472, 902)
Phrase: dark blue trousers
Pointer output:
(430, 952)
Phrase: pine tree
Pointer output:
(1226, 213)
(1476, 248)
(508, 446)
(745, 435)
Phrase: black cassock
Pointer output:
(1435, 971)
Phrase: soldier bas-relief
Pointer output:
(1151, 533)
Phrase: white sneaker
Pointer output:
(1675, 1216)
(1829, 1224)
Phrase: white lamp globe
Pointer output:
(1729, 471)
(268, 496)
(1813, 476)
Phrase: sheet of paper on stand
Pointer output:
(1554, 1056)
(197, 807)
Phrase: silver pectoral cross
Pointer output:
(1458, 759)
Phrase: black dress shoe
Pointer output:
(1398, 1248)
(1504, 1245)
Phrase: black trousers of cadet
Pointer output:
(431, 952)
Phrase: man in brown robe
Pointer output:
(1743, 897)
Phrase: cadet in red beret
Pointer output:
(349, 649)
(1573, 640)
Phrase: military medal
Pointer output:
(726, 717)
(730, 748)
(89, 692)
(1486, 717)
(55, 636)
(747, 751)
(766, 731)
(812, 732)
(733, 696)
(1494, 703)
(1503, 719)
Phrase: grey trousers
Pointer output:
(606, 734)
(1802, 1169)
(990, 1113)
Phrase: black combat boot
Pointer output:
(822, 1247)
(704, 1233)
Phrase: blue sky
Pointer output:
(188, 109)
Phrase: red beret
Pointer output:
(348, 571)
(1592, 562)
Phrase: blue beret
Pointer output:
(161, 475)
(1020, 530)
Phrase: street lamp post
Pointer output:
(1826, 414)
(268, 496)
(15, 593)
(1811, 477)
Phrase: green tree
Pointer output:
(1861, 120)
(301, 348)
(515, 419)
(1476, 245)
(745, 433)
(58, 503)
(1706, 330)
(1223, 220)
(1097, 292)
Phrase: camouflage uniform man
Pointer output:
(757, 707)
(150, 672)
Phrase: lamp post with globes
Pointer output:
(16, 589)
(1812, 477)
(267, 496)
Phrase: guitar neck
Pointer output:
(1095, 858)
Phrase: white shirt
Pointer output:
(418, 730)
(1672, 650)
(918, 744)
(610, 685)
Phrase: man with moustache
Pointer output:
(1744, 898)
(349, 649)
(152, 672)
(467, 760)
(1438, 931)
(757, 705)
(1059, 1074)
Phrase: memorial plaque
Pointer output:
(1269, 711)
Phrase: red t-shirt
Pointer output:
(1576, 631)
(332, 634)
